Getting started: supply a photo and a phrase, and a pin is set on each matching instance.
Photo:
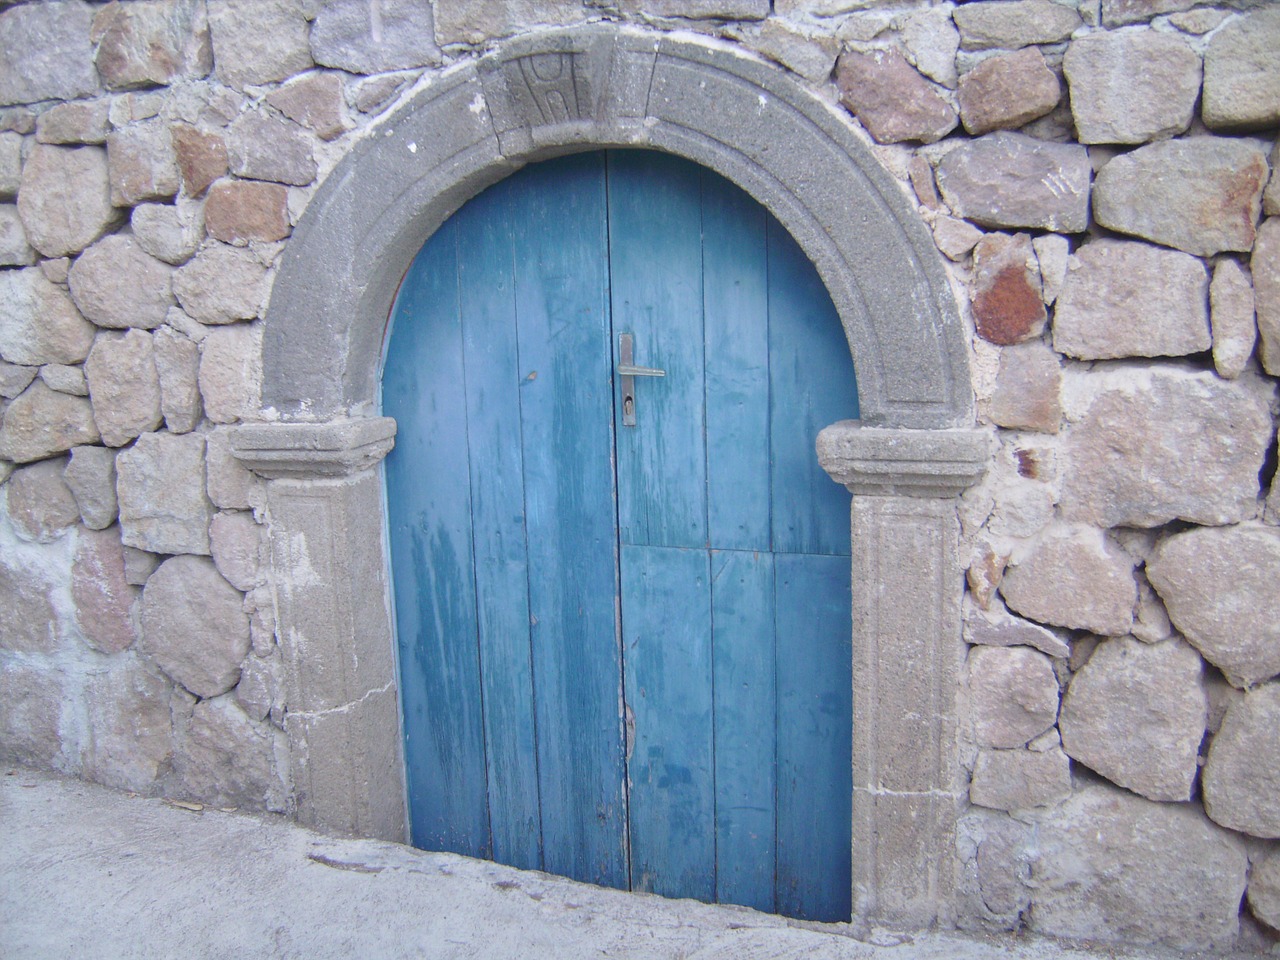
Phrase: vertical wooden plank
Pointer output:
(815, 735)
(656, 279)
(486, 265)
(736, 316)
(745, 727)
(812, 384)
(565, 414)
(431, 554)
(666, 622)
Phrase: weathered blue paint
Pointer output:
(560, 576)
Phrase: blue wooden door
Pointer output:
(624, 646)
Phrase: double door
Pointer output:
(621, 578)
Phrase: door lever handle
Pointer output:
(628, 371)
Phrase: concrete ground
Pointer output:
(89, 872)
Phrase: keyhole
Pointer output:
(628, 408)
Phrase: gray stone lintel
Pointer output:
(888, 461)
(337, 448)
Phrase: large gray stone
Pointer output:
(258, 41)
(1242, 73)
(1115, 867)
(14, 249)
(1020, 779)
(1201, 194)
(226, 759)
(124, 386)
(813, 57)
(1264, 889)
(931, 39)
(1242, 772)
(231, 486)
(1147, 445)
(151, 42)
(142, 164)
(14, 378)
(194, 626)
(1028, 389)
(265, 147)
(117, 284)
(65, 378)
(160, 483)
(30, 624)
(231, 372)
(42, 422)
(1265, 265)
(91, 476)
(260, 691)
(171, 233)
(1117, 13)
(103, 596)
(221, 284)
(236, 541)
(1010, 24)
(1006, 296)
(1011, 180)
(1126, 299)
(1007, 91)
(374, 36)
(1136, 714)
(891, 98)
(31, 701)
(65, 198)
(996, 627)
(1013, 695)
(474, 21)
(1074, 577)
(48, 53)
(1219, 587)
(1232, 318)
(39, 324)
(1131, 87)
(40, 505)
(80, 121)
(130, 729)
(178, 366)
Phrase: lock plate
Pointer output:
(628, 371)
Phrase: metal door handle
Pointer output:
(628, 371)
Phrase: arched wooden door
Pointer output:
(622, 598)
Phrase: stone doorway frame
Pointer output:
(914, 451)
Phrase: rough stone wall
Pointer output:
(1098, 175)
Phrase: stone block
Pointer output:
(317, 101)
(130, 729)
(1242, 771)
(1126, 299)
(1218, 586)
(1147, 445)
(1020, 779)
(474, 21)
(955, 238)
(932, 40)
(103, 597)
(80, 121)
(14, 378)
(1012, 24)
(1028, 390)
(10, 165)
(260, 692)
(40, 505)
(41, 423)
(151, 43)
(178, 367)
(811, 56)
(231, 372)
(225, 759)
(65, 198)
(1117, 13)
(1114, 867)
(231, 486)
(30, 624)
(48, 52)
(118, 285)
(1131, 86)
(194, 626)
(891, 98)
(1200, 194)
(142, 164)
(238, 211)
(1136, 714)
(363, 37)
(1021, 508)
(258, 41)
(1006, 297)
(1011, 180)
(1264, 889)
(1232, 318)
(996, 627)
(266, 147)
(1007, 91)
(65, 379)
(1242, 73)
(1265, 265)
(236, 540)
(168, 232)
(91, 476)
(1013, 695)
(160, 483)
(31, 701)
(1074, 577)
(39, 324)
(124, 386)
(14, 249)
(201, 157)
(222, 284)
(139, 565)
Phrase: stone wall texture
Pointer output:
(1101, 180)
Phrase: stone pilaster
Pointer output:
(328, 572)
(907, 658)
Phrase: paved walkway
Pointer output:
(88, 872)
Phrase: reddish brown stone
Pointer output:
(240, 210)
(316, 102)
(1007, 91)
(1007, 305)
(891, 98)
(202, 157)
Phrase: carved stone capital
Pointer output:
(303, 451)
(893, 461)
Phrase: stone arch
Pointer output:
(602, 86)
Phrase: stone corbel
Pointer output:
(329, 576)
(908, 652)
